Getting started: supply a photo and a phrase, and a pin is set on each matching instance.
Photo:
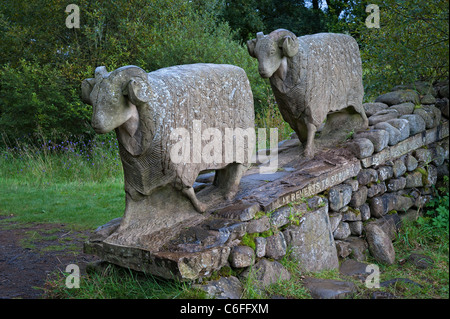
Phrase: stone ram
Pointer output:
(310, 76)
(144, 109)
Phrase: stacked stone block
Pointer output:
(390, 188)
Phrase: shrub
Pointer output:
(411, 44)
(36, 98)
(41, 78)
(436, 216)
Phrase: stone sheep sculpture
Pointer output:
(310, 76)
(144, 108)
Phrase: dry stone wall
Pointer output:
(403, 153)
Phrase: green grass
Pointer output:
(39, 161)
(76, 182)
(86, 205)
(435, 279)
(112, 282)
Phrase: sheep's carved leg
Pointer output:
(228, 179)
(362, 112)
(306, 132)
(309, 148)
(301, 130)
(198, 205)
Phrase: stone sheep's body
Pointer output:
(144, 109)
(310, 76)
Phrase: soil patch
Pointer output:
(30, 253)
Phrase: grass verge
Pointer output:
(113, 282)
(79, 205)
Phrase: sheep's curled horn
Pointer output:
(137, 88)
(285, 40)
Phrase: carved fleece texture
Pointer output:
(218, 95)
(324, 76)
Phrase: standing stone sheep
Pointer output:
(310, 76)
(144, 109)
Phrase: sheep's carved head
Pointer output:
(271, 49)
(116, 97)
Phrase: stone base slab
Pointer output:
(198, 244)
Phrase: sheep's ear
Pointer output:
(251, 47)
(86, 88)
(138, 91)
(290, 46)
(100, 73)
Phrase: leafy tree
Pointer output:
(250, 17)
(295, 16)
(42, 62)
(243, 16)
(32, 98)
(346, 16)
(411, 44)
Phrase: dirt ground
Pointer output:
(32, 252)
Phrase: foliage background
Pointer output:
(411, 44)
(42, 62)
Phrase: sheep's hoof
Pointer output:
(230, 194)
(309, 153)
(200, 207)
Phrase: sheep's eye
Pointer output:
(272, 52)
